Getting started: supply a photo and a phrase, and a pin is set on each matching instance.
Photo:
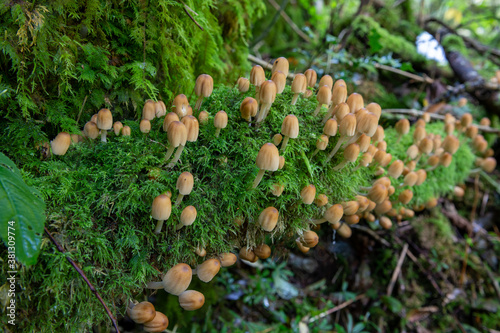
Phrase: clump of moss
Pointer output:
(99, 200)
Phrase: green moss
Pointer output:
(453, 42)
(99, 200)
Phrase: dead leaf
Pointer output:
(420, 314)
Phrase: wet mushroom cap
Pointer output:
(268, 218)
(208, 269)
(185, 183)
(177, 279)
(158, 324)
(191, 300)
(268, 157)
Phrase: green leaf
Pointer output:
(22, 215)
(393, 304)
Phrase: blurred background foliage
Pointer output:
(63, 60)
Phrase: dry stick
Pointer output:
(404, 73)
(84, 277)
(192, 18)
(418, 113)
(335, 309)
(371, 233)
(83, 105)
(290, 21)
(266, 65)
(395, 274)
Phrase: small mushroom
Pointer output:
(191, 300)
(188, 216)
(308, 193)
(321, 144)
(126, 131)
(243, 84)
(290, 129)
(161, 210)
(192, 127)
(104, 122)
(141, 312)
(177, 137)
(60, 144)
(299, 86)
(402, 128)
(347, 129)
(149, 110)
(180, 105)
(310, 239)
(184, 185)
(169, 118)
(355, 102)
(220, 122)
(267, 159)
(311, 77)
(203, 117)
(160, 109)
(227, 259)
(263, 251)
(207, 270)
(280, 64)
(248, 254)
(203, 88)
(279, 78)
(90, 130)
(268, 218)
(158, 324)
(249, 108)
(351, 153)
(117, 127)
(326, 80)
(257, 77)
(267, 96)
(145, 126)
(324, 96)
(175, 281)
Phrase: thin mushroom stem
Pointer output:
(340, 166)
(257, 93)
(198, 103)
(159, 225)
(353, 139)
(294, 98)
(335, 149)
(284, 143)
(328, 115)
(318, 221)
(217, 132)
(103, 135)
(318, 109)
(154, 285)
(258, 178)
(399, 138)
(315, 152)
(179, 199)
(176, 156)
(170, 151)
(179, 226)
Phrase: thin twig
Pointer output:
(290, 22)
(266, 65)
(81, 109)
(84, 277)
(404, 73)
(191, 17)
(418, 113)
(337, 308)
(371, 233)
(395, 274)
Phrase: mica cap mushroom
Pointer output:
(176, 280)
(104, 122)
(161, 211)
(61, 143)
(267, 159)
(191, 300)
(289, 129)
(220, 122)
(268, 218)
(208, 269)
(184, 185)
(203, 88)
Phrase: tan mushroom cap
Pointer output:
(396, 169)
(351, 153)
(61, 143)
(243, 84)
(248, 254)
(375, 109)
(339, 94)
(162, 207)
(185, 183)
(145, 126)
(405, 196)
(378, 193)
(310, 239)
(208, 269)
(180, 105)
(299, 84)
(249, 108)
(192, 127)
(160, 109)
(347, 126)
(363, 142)
(220, 119)
(330, 128)
(324, 95)
(177, 134)
(257, 75)
(340, 111)
(355, 102)
(281, 64)
(311, 77)
(326, 80)
(350, 207)
(169, 118)
(268, 218)
(268, 157)
(290, 126)
(334, 213)
(321, 200)
(322, 142)
(308, 194)
(279, 78)
(177, 279)
(227, 259)
(188, 215)
(268, 90)
(126, 131)
(263, 251)
(142, 312)
(204, 85)
(191, 300)
(90, 130)
(402, 126)
(149, 110)
(117, 127)
(158, 324)
(104, 119)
